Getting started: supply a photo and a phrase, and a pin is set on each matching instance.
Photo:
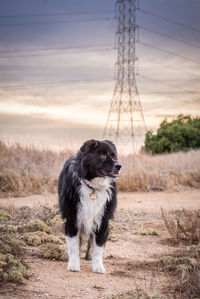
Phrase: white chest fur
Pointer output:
(90, 211)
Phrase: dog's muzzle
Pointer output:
(117, 168)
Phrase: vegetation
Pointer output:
(178, 264)
(136, 294)
(18, 232)
(11, 270)
(184, 226)
(38, 237)
(38, 225)
(27, 170)
(148, 232)
(4, 216)
(10, 245)
(173, 171)
(53, 252)
(181, 134)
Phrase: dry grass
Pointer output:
(136, 294)
(183, 225)
(144, 172)
(189, 284)
(28, 170)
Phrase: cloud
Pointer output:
(45, 131)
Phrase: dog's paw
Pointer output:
(73, 268)
(98, 267)
(73, 265)
(88, 257)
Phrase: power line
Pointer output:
(168, 52)
(58, 53)
(169, 20)
(47, 68)
(57, 14)
(61, 83)
(59, 22)
(54, 84)
(170, 37)
(170, 85)
(171, 67)
(164, 92)
(54, 67)
(54, 48)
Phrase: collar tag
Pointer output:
(92, 196)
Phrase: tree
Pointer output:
(181, 134)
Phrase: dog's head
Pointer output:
(99, 159)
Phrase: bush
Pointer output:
(11, 245)
(183, 225)
(52, 251)
(189, 283)
(38, 225)
(11, 270)
(38, 238)
(181, 134)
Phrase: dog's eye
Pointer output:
(103, 157)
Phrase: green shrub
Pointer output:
(38, 238)
(11, 270)
(11, 245)
(38, 224)
(181, 134)
(148, 232)
(52, 251)
(4, 216)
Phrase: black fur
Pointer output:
(95, 158)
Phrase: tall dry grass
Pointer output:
(144, 172)
(25, 170)
(28, 170)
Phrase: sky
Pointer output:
(57, 66)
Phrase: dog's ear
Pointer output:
(89, 146)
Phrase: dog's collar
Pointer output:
(92, 194)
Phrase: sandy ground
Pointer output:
(130, 262)
(137, 201)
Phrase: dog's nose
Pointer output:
(117, 166)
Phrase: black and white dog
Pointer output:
(87, 198)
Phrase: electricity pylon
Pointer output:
(125, 123)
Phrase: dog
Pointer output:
(87, 200)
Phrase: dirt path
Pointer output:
(137, 201)
(130, 261)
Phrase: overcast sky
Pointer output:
(57, 66)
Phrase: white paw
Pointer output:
(98, 267)
(73, 265)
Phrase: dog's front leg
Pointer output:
(97, 259)
(98, 247)
(73, 253)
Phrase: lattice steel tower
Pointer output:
(125, 122)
